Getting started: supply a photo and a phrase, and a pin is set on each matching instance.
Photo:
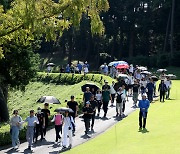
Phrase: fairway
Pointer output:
(162, 135)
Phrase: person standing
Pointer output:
(105, 69)
(46, 112)
(99, 100)
(143, 105)
(135, 92)
(39, 127)
(67, 69)
(143, 84)
(162, 89)
(94, 105)
(87, 95)
(58, 119)
(119, 102)
(106, 97)
(87, 114)
(72, 104)
(15, 123)
(150, 90)
(168, 84)
(113, 93)
(67, 130)
(32, 121)
(130, 83)
(79, 66)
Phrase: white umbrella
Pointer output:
(142, 68)
(146, 72)
(162, 70)
(49, 99)
(172, 76)
(122, 76)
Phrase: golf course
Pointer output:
(161, 137)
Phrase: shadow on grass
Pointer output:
(143, 131)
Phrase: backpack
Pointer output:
(119, 99)
(58, 119)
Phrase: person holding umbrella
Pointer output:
(143, 105)
(162, 89)
(39, 127)
(58, 119)
(67, 130)
(94, 105)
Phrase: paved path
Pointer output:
(48, 147)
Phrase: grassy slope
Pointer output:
(27, 100)
(163, 135)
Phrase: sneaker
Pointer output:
(64, 147)
(18, 144)
(70, 146)
(29, 147)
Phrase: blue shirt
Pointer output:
(144, 105)
(79, 67)
(150, 86)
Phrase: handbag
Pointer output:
(21, 125)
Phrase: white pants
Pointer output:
(119, 108)
(66, 133)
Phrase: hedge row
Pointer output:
(55, 78)
(70, 79)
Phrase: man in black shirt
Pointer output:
(94, 105)
(74, 106)
(39, 127)
(88, 111)
(46, 112)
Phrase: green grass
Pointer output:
(162, 134)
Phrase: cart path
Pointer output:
(48, 147)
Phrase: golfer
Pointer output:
(143, 105)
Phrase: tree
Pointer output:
(25, 22)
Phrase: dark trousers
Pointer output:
(123, 107)
(150, 96)
(58, 129)
(45, 129)
(162, 95)
(113, 97)
(99, 105)
(105, 107)
(87, 124)
(144, 119)
(38, 129)
(93, 118)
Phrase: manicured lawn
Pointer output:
(162, 136)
